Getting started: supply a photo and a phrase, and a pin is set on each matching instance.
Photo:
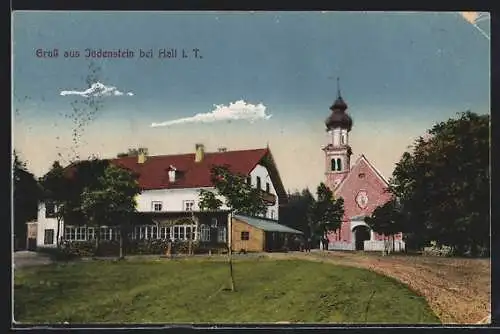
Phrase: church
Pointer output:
(360, 184)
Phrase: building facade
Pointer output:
(361, 185)
(171, 187)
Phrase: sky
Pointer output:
(249, 79)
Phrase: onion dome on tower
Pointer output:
(338, 118)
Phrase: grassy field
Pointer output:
(458, 290)
(192, 291)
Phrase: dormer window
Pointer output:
(171, 173)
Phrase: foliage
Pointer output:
(133, 152)
(295, 213)
(326, 213)
(112, 201)
(26, 196)
(386, 219)
(238, 194)
(443, 185)
(209, 201)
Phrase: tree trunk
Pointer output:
(393, 244)
(121, 243)
(230, 257)
(58, 233)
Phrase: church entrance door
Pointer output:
(361, 233)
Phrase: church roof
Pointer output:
(339, 118)
(362, 157)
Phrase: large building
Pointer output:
(361, 185)
(170, 191)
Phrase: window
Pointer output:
(69, 233)
(361, 175)
(268, 188)
(48, 238)
(176, 232)
(163, 233)
(90, 233)
(80, 233)
(156, 206)
(339, 164)
(50, 210)
(213, 223)
(258, 182)
(342, 139)
(188, 205)
(333, 164)
(249, 180)
(143, 232)
(221, 236)
(204, 232)
(245, 235)
(182, 232)
(154, 232)
(108, 233)
(272, 214)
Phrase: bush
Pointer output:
(77, 249)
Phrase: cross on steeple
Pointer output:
(338, 88)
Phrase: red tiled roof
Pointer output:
(153, 173)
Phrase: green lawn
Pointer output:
(191, 291)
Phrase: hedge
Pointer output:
(77, 249)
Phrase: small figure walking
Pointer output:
(308, 244)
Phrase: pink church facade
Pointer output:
(361, 185)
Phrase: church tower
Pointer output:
(337, 151)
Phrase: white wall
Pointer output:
(262, 172)
(171, 199)
(46, 223)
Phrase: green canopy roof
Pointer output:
(266, 225)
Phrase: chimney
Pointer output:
(141, 157)
(200, 152)
(222, 149)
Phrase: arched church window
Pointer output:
(339, 165)
(342, 139)
(333, 164)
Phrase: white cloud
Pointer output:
(239, 110)
(96, 89)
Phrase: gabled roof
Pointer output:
(153, 173)
(266, 225)
(369, 164)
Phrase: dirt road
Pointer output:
(457, 290)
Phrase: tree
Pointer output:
(55, 191)
(326, 213)
(133, 152)
(386, 219)
(238, 194)
(112, 201)
(209, 201)
(443, 184)
(295, 213)
(26, 196)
